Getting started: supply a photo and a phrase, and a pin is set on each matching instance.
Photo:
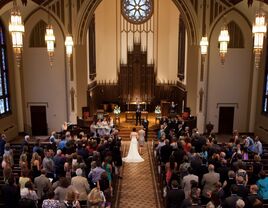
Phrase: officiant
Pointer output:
(138, 115)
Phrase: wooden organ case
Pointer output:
(137, 78)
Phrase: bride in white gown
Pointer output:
(133, 153)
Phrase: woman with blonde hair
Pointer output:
(35, 165)
(6, 165)
(71, 199)
(9, 152)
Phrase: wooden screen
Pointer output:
(137, 78)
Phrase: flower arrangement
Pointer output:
(157, 109)
(117, 110)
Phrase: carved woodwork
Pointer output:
(136, 78)
(137, 83)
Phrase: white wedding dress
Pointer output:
(133, 155)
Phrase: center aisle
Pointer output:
(138, 186)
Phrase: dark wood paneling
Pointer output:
(136, 83)
(101, 94)
(176, 93)
(137, 78)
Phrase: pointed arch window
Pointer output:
(181, 49)
(236, 36)
(92, 49)
(37, 37)
(4, 85)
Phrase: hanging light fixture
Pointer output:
(16, 28)
(69, 45)
(224, 39)
(50, 39)
(259, 30)
(204, 45)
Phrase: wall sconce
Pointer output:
(224, 39)
(69, 45)
(259, 30)
(204, 45)
(16, 28)
(50, 39)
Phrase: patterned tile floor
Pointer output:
(137, 188)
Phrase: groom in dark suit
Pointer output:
(138, 115)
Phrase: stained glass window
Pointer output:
(137, 11)
(4, 87)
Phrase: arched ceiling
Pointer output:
(45, 2)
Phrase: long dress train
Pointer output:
(133, 155)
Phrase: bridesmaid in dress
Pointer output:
(35, 165)
(141, 137)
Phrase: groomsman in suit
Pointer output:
(138, 115)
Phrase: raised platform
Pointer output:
(131, 115)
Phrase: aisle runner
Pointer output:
(137, 185)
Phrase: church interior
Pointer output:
(77, 76)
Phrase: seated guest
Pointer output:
(175, 196)
(262, 184)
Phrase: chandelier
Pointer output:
(259, 29)
(50, 39)
(204, 45)
(16, 28)
(224, 39)
(69, 45)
